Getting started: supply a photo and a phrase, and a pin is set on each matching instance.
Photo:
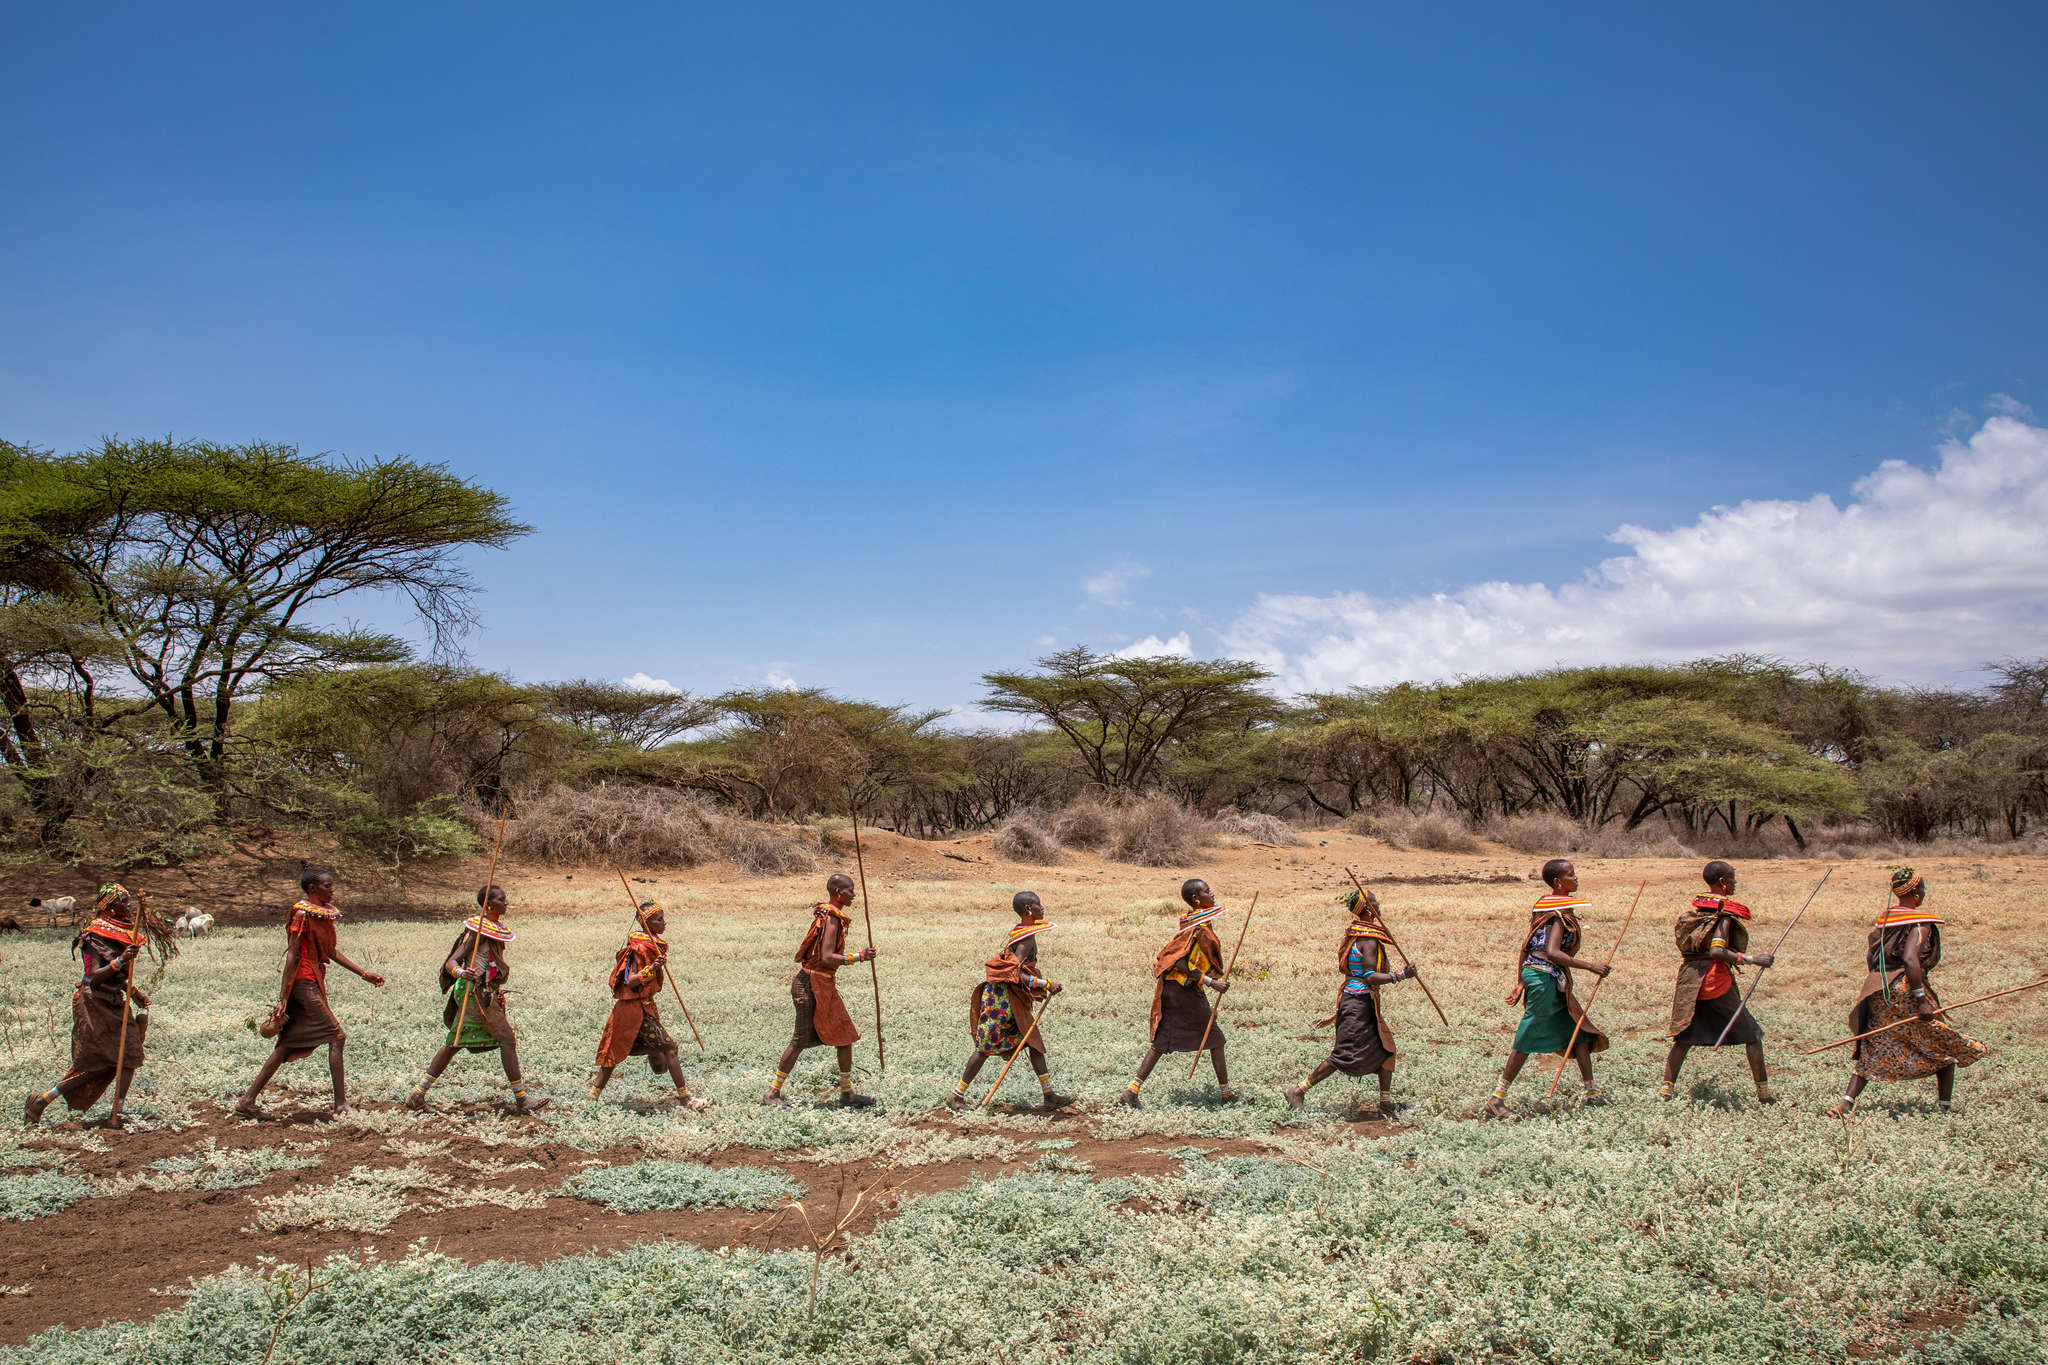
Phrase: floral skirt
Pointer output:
(1914, 1050)
(995, 1023)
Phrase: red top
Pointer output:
(1719, 980)
(314, 926)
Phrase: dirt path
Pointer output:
(126, 1256)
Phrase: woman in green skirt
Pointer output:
(1545, 963)
(473, 978)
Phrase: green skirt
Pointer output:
(479, 1034)
(1546, 1022)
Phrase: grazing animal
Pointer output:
(183, 924)
(59, 907)
(197, 922)
(9, 924)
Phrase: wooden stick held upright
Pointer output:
(120, 1056)
(476, 941)
(1579, 1022)
(1397, 948)
(1022, 1043)
(1914, 1019)
(874, 976)
(1774, 953)
(1203, 1045)
(641, 920)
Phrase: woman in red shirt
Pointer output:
(309, 1023)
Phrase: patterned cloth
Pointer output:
(1918, 1049)
(485, 1024)
(995, 1024)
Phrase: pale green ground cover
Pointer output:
(640, 1186)
(1707, 1229)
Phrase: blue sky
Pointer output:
(856, 345)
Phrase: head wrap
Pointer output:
(1351, 902)
(1027, 929)
(1906, 882)
(113, 897)
(1200, 915)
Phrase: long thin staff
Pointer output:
(634, 901)
(120, 1056)
(1901, 1023)
(874, 975)
(1580, 1022)
(1397, 948)
(1877, 927)
(1036, 1015)
(1203, 1045)
(476, 940)
(1774, 953)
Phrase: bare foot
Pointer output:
(1295, 1096)
(247, 1109)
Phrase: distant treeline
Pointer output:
(163, 686)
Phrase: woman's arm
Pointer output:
(372, 977)
(1719, 950)
(1916, 972)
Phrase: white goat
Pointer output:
(195, 922)
(60, 906)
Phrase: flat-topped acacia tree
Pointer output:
(201, 565)
(1124, 716)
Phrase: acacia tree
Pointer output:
(616, 713)
(1125, 716)
(205, 565)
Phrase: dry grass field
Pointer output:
(1706, 1229)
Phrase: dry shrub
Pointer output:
(1391, 823)
(1641, 842)
(1442, 833)
(1256, 827)
(1157, 831)
(761, 850)
(1088, 823)
(1538, 832)
(1023, 839)
(648, 827)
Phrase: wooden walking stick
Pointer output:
(1579, 1022)
(1914, 1018)
(1774, 953)
(121, 1054)
(1201, 1046)
(477, 940)
(1397, 948)
(640, 920)
(1036, 1015)
(874, 976)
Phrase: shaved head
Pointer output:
(1717, 872)
(1193, 890)
(1025, 903)
(839, 884)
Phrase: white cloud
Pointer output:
(1152, 647)
(1047, 640)
(1112, 586)
(776, 678)
(641, 682)
(1923, 575)
(2010, 406)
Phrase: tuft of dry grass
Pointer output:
(1157, 831)
(1256, 827)
(649, 827)
(1089, 823)
(1436, 831)
(1540, 832)
(1023, 839)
